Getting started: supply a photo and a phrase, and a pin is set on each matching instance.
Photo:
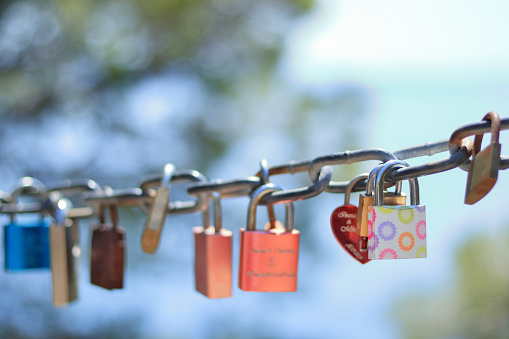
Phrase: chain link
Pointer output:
(319, 171)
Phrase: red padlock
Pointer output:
(268, 258)
(213, 256)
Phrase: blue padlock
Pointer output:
(26, 245)
(26, 242)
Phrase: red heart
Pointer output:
(343, 222)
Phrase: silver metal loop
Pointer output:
(28, 186)
(347, 157)
(226, 188)
(301, 193)
(175, 207)
(380, 179)
(73, 186)
(256, 197)
(351, 184)
(370, 185)
(60, 210)
(218, 214)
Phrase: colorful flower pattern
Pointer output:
(385, 210)
(387, 230)
(400, 235)
(373, 244)
(421, 252)
(406, 241)
(406, 215)
(420, 229)
(388, 253)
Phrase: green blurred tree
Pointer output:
(74, 82)
(476, 302)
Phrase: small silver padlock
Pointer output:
(65, 254)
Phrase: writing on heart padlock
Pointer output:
(157, 214)
(268, 258)
(65, 254)
(213, 255)
(396, 232)
(367, 199)
(107, 256)
(483, 170)
(344, 224)
(26, 243)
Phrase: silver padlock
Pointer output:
(65, 254)
(157, 215)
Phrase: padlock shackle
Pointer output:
(380, 179)
(495, 132)
(168, 172)
(351, 185)
(61, 208)
(264, 178)
(370, 184)
(256, 196)
(218, 214)
(113, 208)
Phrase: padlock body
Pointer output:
(213, 262)
(155, 221)
(26, 246)
(365, 201)
(483, 173)
(65, 256)
(397, 232)
(107, 257)
(268, 260)
(344, 227)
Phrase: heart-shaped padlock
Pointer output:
(344, 225)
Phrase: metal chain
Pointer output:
(318, 169)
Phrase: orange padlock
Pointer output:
(213, 256)
(268, 258)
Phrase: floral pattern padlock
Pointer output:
(396, 232)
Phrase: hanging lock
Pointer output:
(396, 232)
(65, 254)
(107, 255)
(269, 258)
(344, 225)
(367, 199)
(26, 243)
(483, 170)
(157, 215)
(213, 255)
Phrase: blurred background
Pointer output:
(112, 90)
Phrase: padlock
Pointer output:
(483, 170)
(213, 255)
(157, 215)
(268, 258)
(367, 199)
(65, 254)
(107, 255)
(396, 232)
(26, 243)
(344, 224)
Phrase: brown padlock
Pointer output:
(213, 256)
(107, 255)
(483, 170)
(367, 199)
(268, 258)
